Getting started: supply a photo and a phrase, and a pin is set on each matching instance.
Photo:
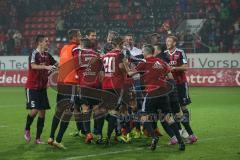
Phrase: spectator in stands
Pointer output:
(228, 39)
(17, 36)
(25, 50)
(2, 48)
(237, 26)
(10, 44)
(60, 27)
(213, 48)
(121, 16)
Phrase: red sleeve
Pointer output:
(76, 58)
(140, 67)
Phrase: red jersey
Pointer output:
(38, 78)
(87, 71)
(178, 58)
(113, 77)
(155, 71)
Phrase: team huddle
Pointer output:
(128, 89)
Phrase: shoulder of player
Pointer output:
(76, 48)
(90, 52)
(34, 53)
(113, 53)
(166, 51)
(33, 56)
(179, 50)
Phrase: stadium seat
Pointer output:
(45, 26)
(39, 19)
(34, 19)
(52, 26)
(26, 33)
(27, 19)
(57, 13)
(47, 13)
(33, 32)
(27, 26)
(52, 32)
(33, 26)
(40, 13)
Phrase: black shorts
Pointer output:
(155, 105)
(37, 99)
(68, 94)
(174, 102)
(90, 100)
(115, 103)
(183, 94)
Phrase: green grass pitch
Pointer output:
(215, 118)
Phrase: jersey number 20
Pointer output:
(109, 64)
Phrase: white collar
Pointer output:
(39, 52)
(172, 52)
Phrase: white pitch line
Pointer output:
(103, 154)
(137, 149)
(3, 126)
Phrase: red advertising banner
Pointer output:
(214, 77)
(13, 77)
(196, 77)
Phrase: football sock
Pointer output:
(154, 124)
(40, 125)
(29, 122)
(79, 125)
(176, 132)
(86, 126)
(128, 126)
(167, 129)
(149, 127)
(98, 125)
(86, 122)
(138, 126)
(63, 128)
(112, 124)
(55, 122)
(118, 127)
(179, 125)
(186, 123)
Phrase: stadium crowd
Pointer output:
(220, 32)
